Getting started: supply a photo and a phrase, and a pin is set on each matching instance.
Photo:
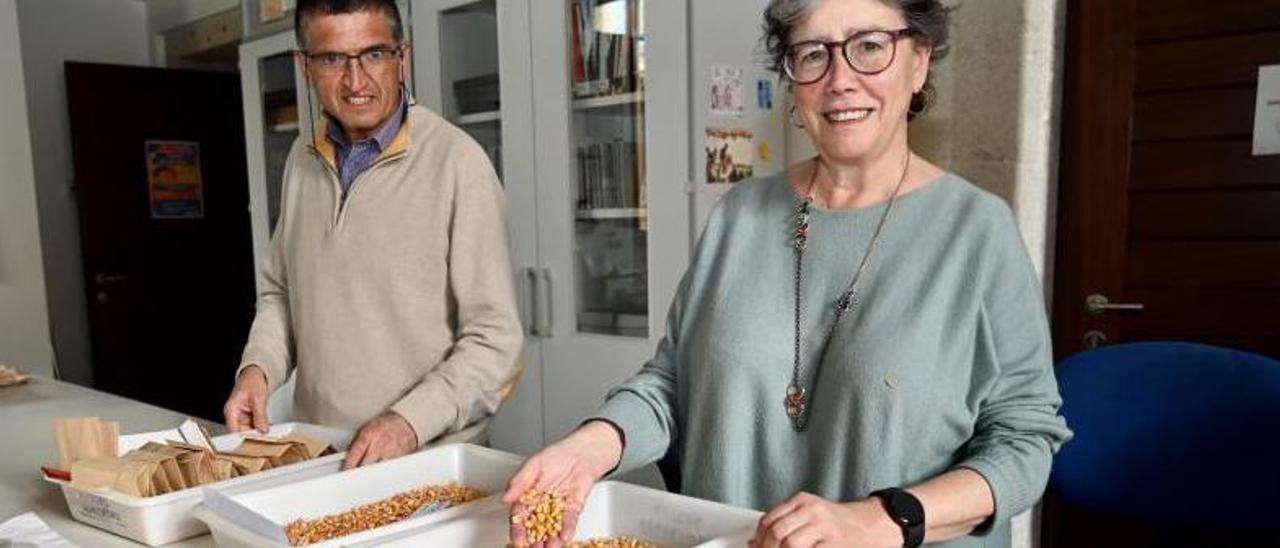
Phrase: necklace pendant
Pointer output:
(795, 401)
(800, 236)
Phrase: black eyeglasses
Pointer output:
(867, 52)
(334, 62)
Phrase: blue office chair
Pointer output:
(1173, 433)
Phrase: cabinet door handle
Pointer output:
(529, 280)
(548, 329)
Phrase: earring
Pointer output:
(791, 114)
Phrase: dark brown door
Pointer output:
(163, 194)
(1161, 203)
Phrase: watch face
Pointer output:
(905, 508)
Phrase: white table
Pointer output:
(27, 413)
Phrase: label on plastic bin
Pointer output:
(96, 510)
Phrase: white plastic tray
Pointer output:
(613, 509)
(167, 518)
(260, 516)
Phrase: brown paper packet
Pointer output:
(96, 473)
(279, 452)
(162, 449)
(84, 438)
(246, 464)
(223, 468)
(10, 376)
(314, 447)
(129, 477)
(168, 465)
(109, 438)
(135, 478)
(194, 462)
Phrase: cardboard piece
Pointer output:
(196, 435)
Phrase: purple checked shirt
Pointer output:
(353, 158)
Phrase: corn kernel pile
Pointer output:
(377, 514)
(613, 542)
(543, 518)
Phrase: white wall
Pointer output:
(54, 31)
(24, 321)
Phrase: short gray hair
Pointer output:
(928, 20)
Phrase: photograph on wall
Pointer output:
(726, 90)
(730, 154)
(174, 180)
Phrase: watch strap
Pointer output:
(906, 511)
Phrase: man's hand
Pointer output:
(246, 408)
(384, 437)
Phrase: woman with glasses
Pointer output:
(859, 347)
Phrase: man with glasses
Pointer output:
(387, 286)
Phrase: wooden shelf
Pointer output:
(478, 118)
(612, 213)
(632, 98)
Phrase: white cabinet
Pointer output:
(461, 49)
(591, 136)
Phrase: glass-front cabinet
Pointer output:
(611, 126)
(276, 112)
(607, 140)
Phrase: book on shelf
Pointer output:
(608, 175)
(603, 63)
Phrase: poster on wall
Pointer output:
(726, 91)
(174, 180)
(730, 154)
(764, 94)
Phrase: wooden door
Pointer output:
(1161, 202)
(162, 187)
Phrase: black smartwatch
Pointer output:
(906, 511)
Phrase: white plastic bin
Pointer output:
(486, 469)
(613, 509)
(167, 518)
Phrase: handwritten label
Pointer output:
(96, 510)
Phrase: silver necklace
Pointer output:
(799, 399)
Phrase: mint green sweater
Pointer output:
(945, 363)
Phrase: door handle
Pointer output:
(548, 329)
(104, 279)
(529, 279)
(1097, 303)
